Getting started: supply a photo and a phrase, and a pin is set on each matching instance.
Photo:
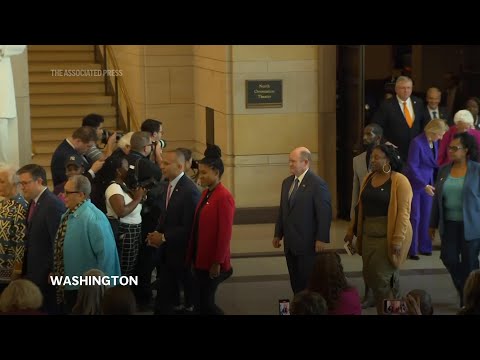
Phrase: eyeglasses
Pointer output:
(455, 148)
(72, 192)
(25, 183)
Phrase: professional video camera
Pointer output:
(161, 142)
(106, 134)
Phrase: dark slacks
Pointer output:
(299, 268)
(205, 289)
(168, 292)
(459, 256)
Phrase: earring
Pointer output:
(389, 168)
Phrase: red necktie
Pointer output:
(31, 210)
(169, 193)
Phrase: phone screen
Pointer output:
(394, 306)
(284, 307)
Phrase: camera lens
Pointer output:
(162, 143)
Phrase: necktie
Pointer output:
(408, 117)
(294, 191)
(434, 114)
(169, 193)
(31, 211)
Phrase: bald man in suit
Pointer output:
(304, 218)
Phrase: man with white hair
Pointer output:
(304, 218)
(463, 121)
(401, 117)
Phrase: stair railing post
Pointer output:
(117, 105)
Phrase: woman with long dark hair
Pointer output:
(328, 279)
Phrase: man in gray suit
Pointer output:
(304, 218)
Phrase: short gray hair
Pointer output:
(82, 184)
(306, 155)
(11, 171)
(402, 79)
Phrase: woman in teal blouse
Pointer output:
(456, 210)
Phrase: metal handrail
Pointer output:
(117, 88)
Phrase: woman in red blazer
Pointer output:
(209, 247)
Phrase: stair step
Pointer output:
(43, 77)
(72, 123)
(67, 88)
(48, 67)
(70, 110)
(42, 159)
(60, 47)
(69, 99)
(50, 135)
(61, 56)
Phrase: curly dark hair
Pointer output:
(470, 143)
(392, 155)
(328, 278)
(213, 159)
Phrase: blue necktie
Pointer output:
(294, 191)
(434, 113)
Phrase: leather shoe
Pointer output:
(414, 257)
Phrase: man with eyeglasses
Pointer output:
(83, 241)
(141, 169)
(43, 218)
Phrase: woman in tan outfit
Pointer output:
(383, 228)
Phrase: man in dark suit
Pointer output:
(401, 117)
(172, 235)
(432, 110)
(78, 144)
(44, 213)
(304, 218)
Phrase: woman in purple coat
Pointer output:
(420, 171)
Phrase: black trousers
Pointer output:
(459, 256)
(169, 279)
(299, 268)
(205, 289)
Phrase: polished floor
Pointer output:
(260, 276)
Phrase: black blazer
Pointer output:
(60, 156)
(395, 129)
(308, 219)
(441, 114)
(41, 232)
(176, 221)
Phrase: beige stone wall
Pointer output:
(213, 89)
(263, 138)
(180, 82)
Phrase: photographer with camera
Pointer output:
(107, 138)
(123, 211)
(143, 172)
(191, 167)
(155, 129)
(78, 144)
